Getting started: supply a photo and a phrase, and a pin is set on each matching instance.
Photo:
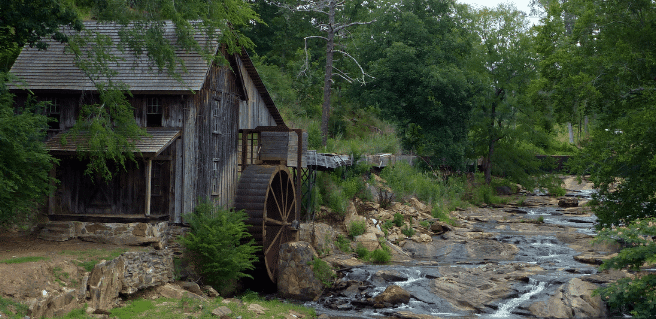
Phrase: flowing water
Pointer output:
(544, 250)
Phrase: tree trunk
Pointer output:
(325, 110)
(487, 165)
(571, 133)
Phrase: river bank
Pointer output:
(528, 258)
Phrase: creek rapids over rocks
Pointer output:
(498, 262)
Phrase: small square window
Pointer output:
(53, 112)
(154, 112)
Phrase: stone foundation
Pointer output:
(126, 274)
(133, 234)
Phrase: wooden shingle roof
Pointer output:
(55, 68)
(148, 146)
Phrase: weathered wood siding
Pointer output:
(81, 194)
(253, 112)
(283, 147)
(210, 141)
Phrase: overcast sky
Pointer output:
(522, 5)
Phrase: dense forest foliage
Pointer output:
(442, 80)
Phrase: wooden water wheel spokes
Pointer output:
(266, 194)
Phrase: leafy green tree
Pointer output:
(504, 123)
(609, 56)
(220, 244)
(27, 22)
(609, 50)
(637, 295)
(417, 53)
(24, 162)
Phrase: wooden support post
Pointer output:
(299, 170)
(244, 149)
(51, 194)
(149, 169)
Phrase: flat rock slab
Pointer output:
(472, 288)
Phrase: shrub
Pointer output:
(361, 251)
(408, 231)
(357, 228)
(323, 271)
(219, 244)
(381, 256)
(439, 213)
(556, 191)
(398, 220)
(635, 295)
(343, 243)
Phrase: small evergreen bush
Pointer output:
(408, 231)
(398, 220)
(220, 245)
(357, 228)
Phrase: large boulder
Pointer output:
(320, 235)
(439, 227)
(368, 240)
(393, 295)
(572, 300)
(296, 278)
(53, 305)
(105, 283)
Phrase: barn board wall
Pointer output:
(252, 113)
(210, 155)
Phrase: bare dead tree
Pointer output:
(332, 29)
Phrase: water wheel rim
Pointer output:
(279, 213)
(267, 195)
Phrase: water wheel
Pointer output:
(266, 194)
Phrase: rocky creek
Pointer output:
(511, 261)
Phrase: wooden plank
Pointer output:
(178, 193)
(149, 170)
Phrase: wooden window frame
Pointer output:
(154, 110)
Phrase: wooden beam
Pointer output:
(149, 170)
(299, 171)
(51, 194)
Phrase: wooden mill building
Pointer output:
(192, 151)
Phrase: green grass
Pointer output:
(164, 308)
(12, 309)
(93, 257)
(61, 276)
(343, 243)
(20, 260)
(133, 309)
